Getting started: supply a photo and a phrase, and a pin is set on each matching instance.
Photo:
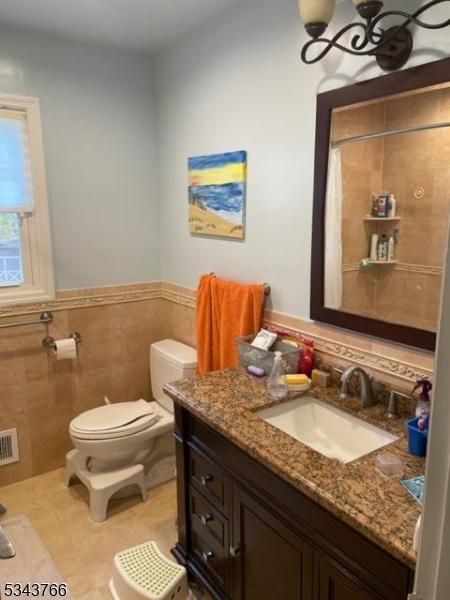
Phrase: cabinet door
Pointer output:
(336, 584)
(270, 561)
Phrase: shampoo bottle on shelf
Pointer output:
(391, 248)
(382, 248)
(392, 206)
(276, 385)
(373, 248)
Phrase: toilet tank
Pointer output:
(169, 361)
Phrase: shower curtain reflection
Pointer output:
(333, 232)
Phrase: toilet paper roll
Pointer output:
(65, 349)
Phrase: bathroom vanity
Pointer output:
(262, 516)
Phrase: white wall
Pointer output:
(240, 84)
(98, 127)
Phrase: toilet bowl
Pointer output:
(118, 435)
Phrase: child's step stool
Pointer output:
(144, 573)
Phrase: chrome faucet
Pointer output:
(367, 396)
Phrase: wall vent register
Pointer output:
(9, 447)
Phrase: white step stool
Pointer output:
(102, 486)
(144, 573)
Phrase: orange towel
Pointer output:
(225, 310)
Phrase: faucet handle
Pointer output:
(392, 409)
(337, 372)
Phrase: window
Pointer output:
(26, 271)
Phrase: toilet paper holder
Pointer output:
(49, 341)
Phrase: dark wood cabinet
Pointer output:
(336, 584)
(270, 561)
(245, 534)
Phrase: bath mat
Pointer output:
(31, 564)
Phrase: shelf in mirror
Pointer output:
(378, 219)
(380, 262)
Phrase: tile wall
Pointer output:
(40, 396)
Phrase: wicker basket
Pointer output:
(249, 355)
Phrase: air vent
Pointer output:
(9, 448)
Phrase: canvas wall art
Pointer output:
(217, 194)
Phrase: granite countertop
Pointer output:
(374, 504)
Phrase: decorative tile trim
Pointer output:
(184, 296)
(426, 269)
(179, 298)
(83, 301)
(423, 269)
(351, 267)
(367, 358)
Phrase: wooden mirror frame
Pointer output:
(403, 81)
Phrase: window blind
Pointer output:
(15, 172)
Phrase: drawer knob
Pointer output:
(235, 549)
(207, 556)
(205, 479)
(206, 518)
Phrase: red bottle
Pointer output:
(306, 362)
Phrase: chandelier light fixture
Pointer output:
(391, 47)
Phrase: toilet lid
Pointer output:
(111, 420)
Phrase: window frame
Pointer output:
(39, 284)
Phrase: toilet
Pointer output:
(118, 436)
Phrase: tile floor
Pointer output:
(82, 550)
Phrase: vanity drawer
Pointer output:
(206, 478)
(207, 517)
(210, 554)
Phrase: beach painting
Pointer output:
(217, 194)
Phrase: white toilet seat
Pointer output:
(122, 419)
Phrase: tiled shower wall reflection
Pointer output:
(413, 166)
(40, 395)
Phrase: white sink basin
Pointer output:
(328, 430)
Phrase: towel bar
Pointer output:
(46, 317)
(266, 286)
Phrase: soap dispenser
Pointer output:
(276, 386)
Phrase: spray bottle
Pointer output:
(423, 404)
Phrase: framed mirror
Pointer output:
(382, 204)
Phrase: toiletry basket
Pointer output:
(249, 355)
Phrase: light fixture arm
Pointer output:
(392, 47)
